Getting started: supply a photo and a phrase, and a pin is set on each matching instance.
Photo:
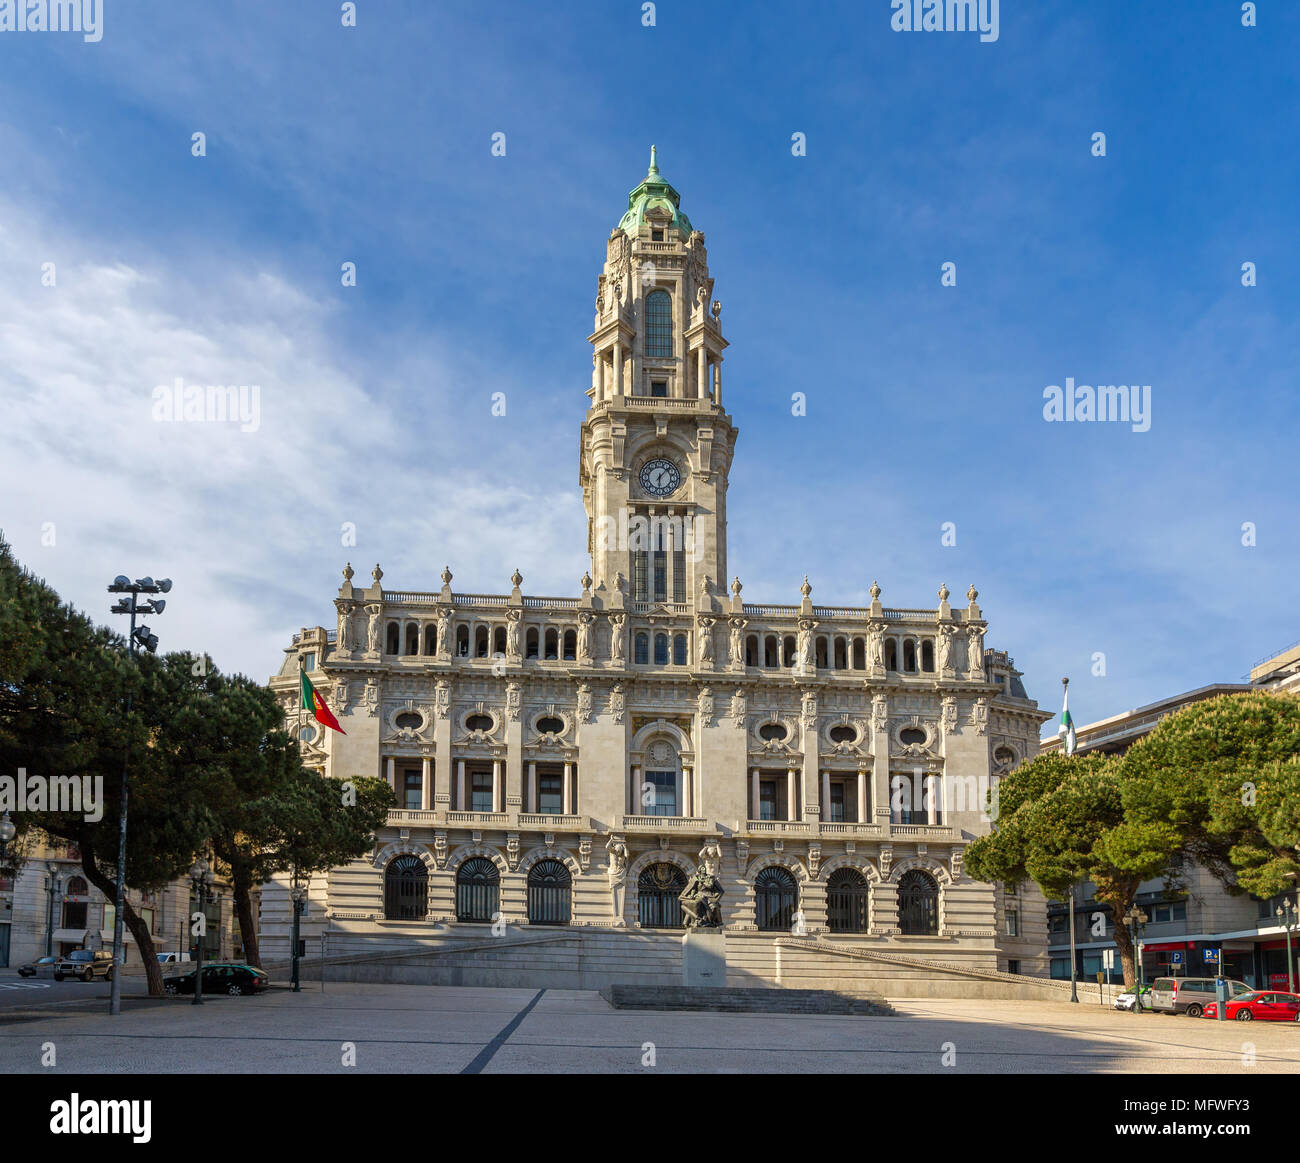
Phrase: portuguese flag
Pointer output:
(311, 699)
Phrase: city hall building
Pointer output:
(561, 764)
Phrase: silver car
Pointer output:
(41, 967)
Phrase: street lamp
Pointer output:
(138, 636)
(8, 830)
(299, 894)
(201, 880)
(53, 886)
(1074, 959)
(1288, 916)
(1136, 918)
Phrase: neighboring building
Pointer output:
(1202, 914)
(54, 908)
(565, 760)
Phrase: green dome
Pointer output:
(653, 193)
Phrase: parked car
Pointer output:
(221, 977)
(1124, 1000)
(1190, 995)
(85, 965)
(1261, 1006)
(41, 967)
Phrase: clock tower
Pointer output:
(656, 442)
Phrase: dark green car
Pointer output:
(230, 977)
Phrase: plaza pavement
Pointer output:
(431, 1029)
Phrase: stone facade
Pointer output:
(657, 713)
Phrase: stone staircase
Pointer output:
(750, 1001)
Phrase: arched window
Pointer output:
(659, 325)
(412, 638)
(927, 654)
(859, 654)
(431, 639)
(787, 652)
(661, 649)
(918, 904)
(679, 650)
(751, 650)
(478, 889)
(891, 654)
(771, 652)
(776, 897)
(846, 901)
(909, 654)
(570, 645)
(481, 642)
(658, 888)
(641, 649)
(77, 887)
(406, 889)
(462, 641)
(552, 643)
(819, 652)
(549, 893)
(841, 654)
(393, 639)
(499, 640)
(530, 643)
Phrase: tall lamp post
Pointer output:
(141, 636)
(1074, 960)
(1288, 916)
(299, 894)
(53, 886)
(201, 880)
(1135, 919)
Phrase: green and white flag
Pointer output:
(1066, 732)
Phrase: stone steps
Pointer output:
(753, 1001)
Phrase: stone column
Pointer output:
(792, 799)
(687, 792)
(498, 797)
(426, 784)
(532, 788)
(753, 795)
(390, 773)
(634, 797)
(618, 367)
(701, 375)
(864, 808)
(568, 789)
(460, 786)
(826, 796)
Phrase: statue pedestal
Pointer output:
(704, 957)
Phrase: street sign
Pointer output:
(1108, 958)
(1211, 956)
(1175, 958)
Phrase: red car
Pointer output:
(1263, 1006)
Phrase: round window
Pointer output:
(843, 733)
(773, 732)
(408, 721)
(550, 725)
(479, 723)
(911, 735)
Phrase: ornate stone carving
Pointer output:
(440, 849)
(742, 855)
(705, 706)
(975, 652)
(737, 635)
(704, 638)
(949, 715)
(514, 635)
(343, 695)
(585, 619)
(808, 710)
(886, 859)
(738, 707)
(371, 697)
(617, 703)
(584, 852)
(514, 701)
(616, 872)
(442, 699)
(375, 629)
(806, 655)
(512, 850)
(979, 716)
(583, 712)
(616, 636)
(954, 863)
(945, 649)
(814, 858)
(879, 713)
(702, 897)
(877, 648)
(345, 640)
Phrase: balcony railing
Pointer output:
(779, 827)
(926, 831)
(547, 822)
(829, 828)
(412, 816)
(667, 824)
(487, 818)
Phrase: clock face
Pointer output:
(660, 477)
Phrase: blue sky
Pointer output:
(476, 274)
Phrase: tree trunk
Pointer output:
(130, 919)
(1119, 896)
(1124, 943)
(242, 892)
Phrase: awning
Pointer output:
(1165, 946)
